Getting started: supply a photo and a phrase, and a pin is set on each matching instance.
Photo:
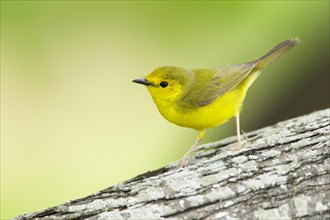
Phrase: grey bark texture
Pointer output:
(280, 172)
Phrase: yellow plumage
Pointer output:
(206, 98)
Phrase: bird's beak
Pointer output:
(143, 81)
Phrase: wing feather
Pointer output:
(222, 80)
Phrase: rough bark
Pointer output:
(280, 172)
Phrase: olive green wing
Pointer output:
(223, 79)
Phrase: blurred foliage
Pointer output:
(72, 123)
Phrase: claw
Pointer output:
(182, 163)
(237, 146)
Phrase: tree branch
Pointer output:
(280, 172)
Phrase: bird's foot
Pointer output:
(183, 162)
(237, 146)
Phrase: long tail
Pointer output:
(276, 52)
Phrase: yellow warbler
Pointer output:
(207, 97)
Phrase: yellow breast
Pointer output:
(211, 115)
(207, 116)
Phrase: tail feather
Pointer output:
(276, 52)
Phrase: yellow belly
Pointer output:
(212, 115)
(208, 116)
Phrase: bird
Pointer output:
(204, 98)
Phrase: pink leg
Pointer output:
(239, 141)
(185, 158)
(238, 130)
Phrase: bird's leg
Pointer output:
(185, 158)
(239, 141)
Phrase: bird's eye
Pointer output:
(163, 84)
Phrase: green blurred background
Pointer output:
(73, 123)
